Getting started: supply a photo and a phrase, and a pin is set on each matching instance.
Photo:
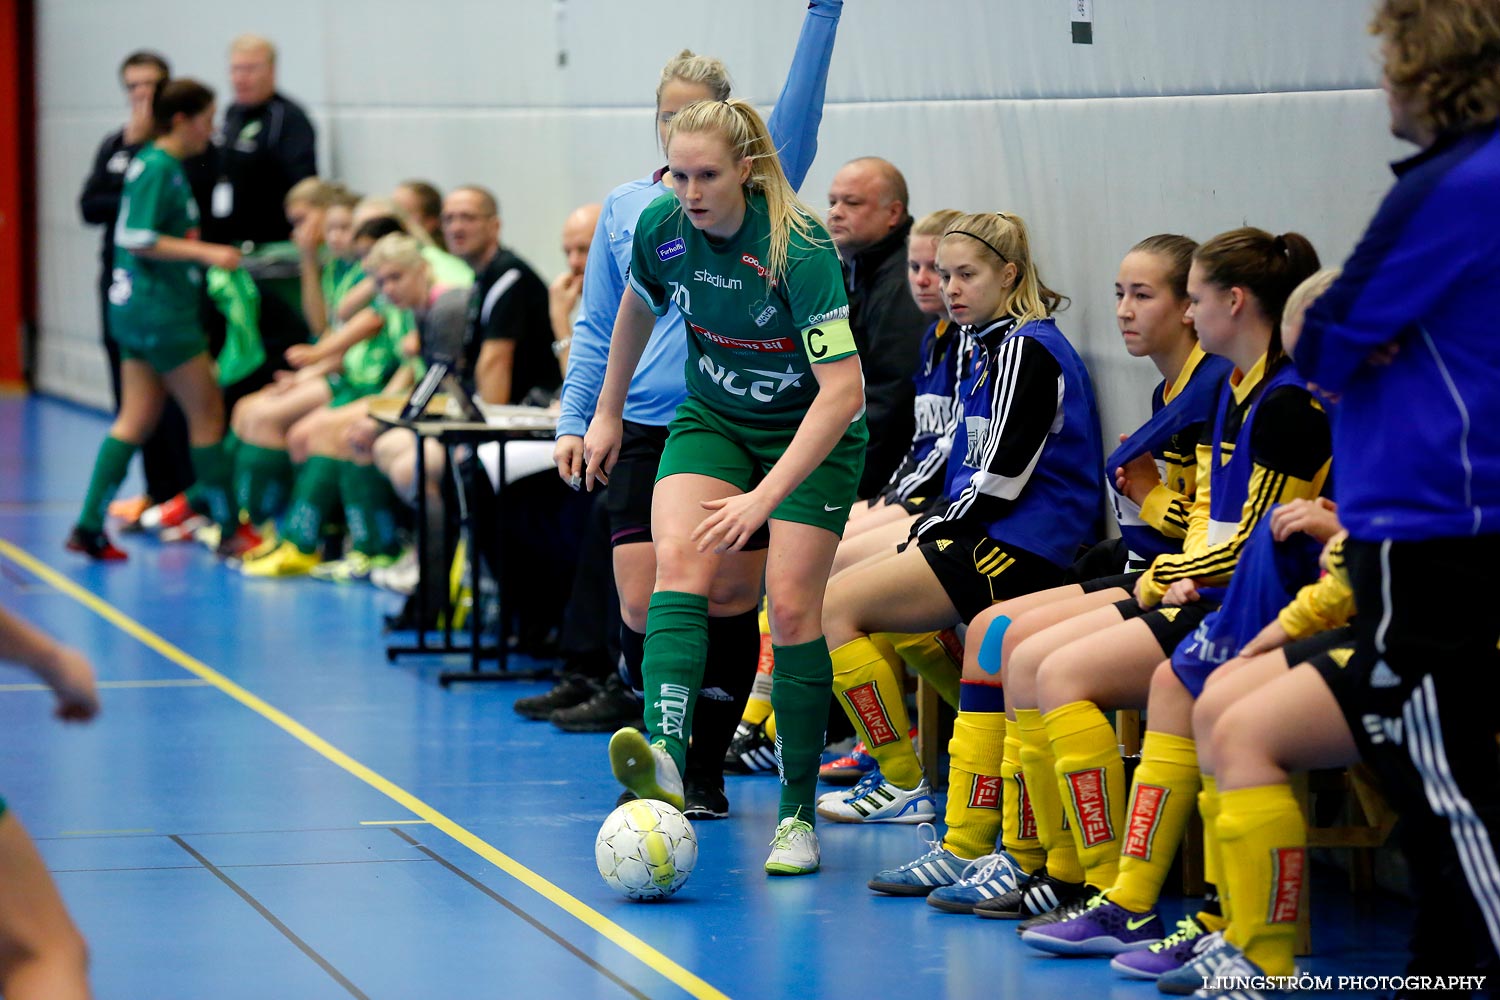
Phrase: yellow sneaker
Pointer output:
(268, 543)
(287, 560)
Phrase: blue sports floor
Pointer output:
(267, 809)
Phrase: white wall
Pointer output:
(1184, 115)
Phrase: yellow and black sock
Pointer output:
(1161, 803)
(1040, 769)
(871, 696)
(975, 783)
(758, 704)
(1091, 782)
(1263, 840)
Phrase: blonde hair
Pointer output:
(742, 130)
(395, 250)
(689, 67)
(312, 191)
(1003, 235)
(254, 43)
(1444, 55)
(1308, 291)
(935, 223)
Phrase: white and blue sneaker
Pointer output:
(875, 800)
(992, 875)
(1212, 957)
(1236, 969)
(933, 870)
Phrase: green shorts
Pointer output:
(162, 351)
(702, 442)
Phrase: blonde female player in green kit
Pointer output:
(772, 431)
(153, 313)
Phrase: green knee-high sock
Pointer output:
(314, 497)
(214, 470)
(263, 480)
(801, 688)
(110, 467)
(676, 652)
(369, 509)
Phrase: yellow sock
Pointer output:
(770, 727)
(1091, 782)
(1213, 858)
(931, 659)
(1161, 803)
(1040, 769)
(1263, 840)
(758, 704)
(975, 785)
(1018, 823)
(871, 696)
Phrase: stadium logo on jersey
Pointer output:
(673, 702)
(1288, 866)
(670, 249)
(842, 312)
(1145, 815)
(1026, 825)
(870, 710)
(986, 792)
(717, 280)
(1091, 803)
(780, 345)
(762, 390)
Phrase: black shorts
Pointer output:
(1170, 625)
(976, 571)
(1329, 653)
(1105, 559)
(1124, 581)
(627, 499)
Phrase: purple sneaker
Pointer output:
(1171, 952)
(1100, 928)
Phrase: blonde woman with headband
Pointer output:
(772, 433)
(1023, 493)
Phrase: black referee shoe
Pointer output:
(570, 690)
(609, 708)
(704, 799)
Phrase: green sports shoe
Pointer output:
(645, 768)
(794, 849)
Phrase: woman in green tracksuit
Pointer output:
(153, 302)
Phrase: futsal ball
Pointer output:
(646, 849)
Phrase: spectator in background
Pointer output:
(869, 222)
(567, 288)
(266, 145)
(423, 205)
(165, 452)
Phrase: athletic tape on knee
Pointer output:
(990, 648)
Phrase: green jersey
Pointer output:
(154, 299)
(338, 278)
(751, 343)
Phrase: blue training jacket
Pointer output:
(658, 384)
(1417, 441)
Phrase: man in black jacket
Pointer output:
(266, 145)
(868, 220)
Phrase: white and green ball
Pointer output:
(646, 849)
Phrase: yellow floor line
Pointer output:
(393, 822)
(580, 911)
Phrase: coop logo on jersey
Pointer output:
(1288, 865)
(717, 280)
(1145, 815)
(670, 249)
(870, 710)
(779, 345)
(986, 792)
(760, 269)
(1091, 802)
(762, 389)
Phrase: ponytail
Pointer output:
(737, 123)
(1266, 266)
(1004, 237)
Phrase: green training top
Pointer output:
(155, 295)
(338, 278)
(751, 346)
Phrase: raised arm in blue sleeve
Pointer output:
(799, 110)
(588, 356)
